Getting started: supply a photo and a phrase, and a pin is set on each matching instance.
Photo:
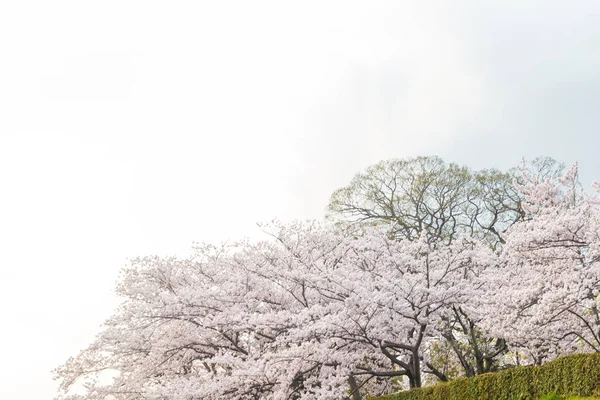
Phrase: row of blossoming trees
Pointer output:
(441, 272)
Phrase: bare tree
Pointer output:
(426, 194)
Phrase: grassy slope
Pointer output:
(583, 398)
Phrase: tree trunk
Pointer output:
(354, 390)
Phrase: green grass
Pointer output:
(582, 398)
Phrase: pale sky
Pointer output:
(137, 127)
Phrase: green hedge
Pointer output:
(576, 375)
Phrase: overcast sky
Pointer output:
(137, 127)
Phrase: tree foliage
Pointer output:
(323, 311)
(425, 194)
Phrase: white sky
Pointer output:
(137, 127)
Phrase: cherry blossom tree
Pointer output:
(544, 297)
(314, 313)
